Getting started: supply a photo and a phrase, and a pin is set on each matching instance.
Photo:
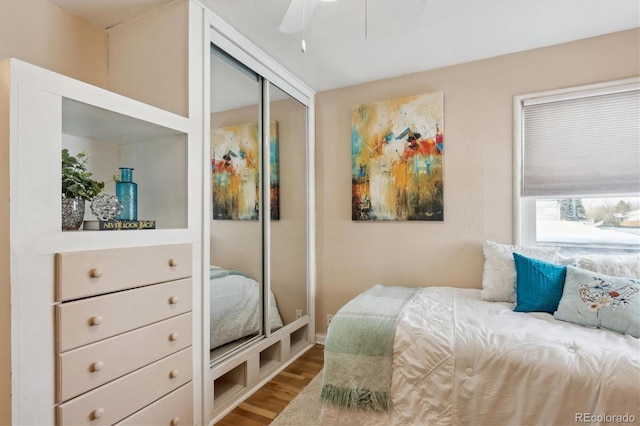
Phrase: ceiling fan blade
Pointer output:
(293, 21)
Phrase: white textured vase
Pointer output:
(72, 213)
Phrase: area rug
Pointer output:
(304, 410)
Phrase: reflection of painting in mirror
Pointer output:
(235, 172)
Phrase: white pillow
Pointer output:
(625, 265)
(499, 275)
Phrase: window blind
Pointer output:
(587, 145)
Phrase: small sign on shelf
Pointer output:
(118, 225)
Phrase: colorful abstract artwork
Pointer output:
(235, 172)
(397, 159)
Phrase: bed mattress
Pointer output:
(235, 307)
(458, 360)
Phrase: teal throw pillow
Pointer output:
(599, 300)
(538, 284)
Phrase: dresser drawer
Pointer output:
(89, 320)
(172, 410)
(116, 400)
(90, 366)
(88, 273)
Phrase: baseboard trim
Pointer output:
(321, 338)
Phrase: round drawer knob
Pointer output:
(173, 300)
(96, 414)
(173, 337)
(96, 366)
(95, 273)
(175, 421)
(173, 263)
(97, 320)
(173, 374)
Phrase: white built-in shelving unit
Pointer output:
(41, 113)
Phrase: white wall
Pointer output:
(5, 250)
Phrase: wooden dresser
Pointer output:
(123, 335)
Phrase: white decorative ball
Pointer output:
(106, 206)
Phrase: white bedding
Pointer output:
(459, 360)
(235, 313)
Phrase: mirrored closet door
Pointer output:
(259, 207)
(288, 234)
(236, 229)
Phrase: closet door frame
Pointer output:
(217, 32)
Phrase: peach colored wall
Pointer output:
(149, 58)
(478, 97)
(38, 32)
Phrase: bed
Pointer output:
(457, 359)
(235, 309)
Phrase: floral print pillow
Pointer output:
(599, 300)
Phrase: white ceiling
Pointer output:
(107, 13)
(447, 32)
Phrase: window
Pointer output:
(577, 168)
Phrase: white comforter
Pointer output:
(235, 309)
(459, 360)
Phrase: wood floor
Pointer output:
(264, 405)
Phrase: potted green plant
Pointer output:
(77, 187)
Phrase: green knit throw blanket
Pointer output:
(359, 349)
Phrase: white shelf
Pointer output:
(229, 384)
(92, 122)
(299, 339)
(158, 155)
(270, 358)
(53, 112)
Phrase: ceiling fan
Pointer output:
(299, 13)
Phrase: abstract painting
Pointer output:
(235, 172)
(397, 149)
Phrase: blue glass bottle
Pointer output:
(127, 193)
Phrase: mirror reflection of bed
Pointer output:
(235, 305)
